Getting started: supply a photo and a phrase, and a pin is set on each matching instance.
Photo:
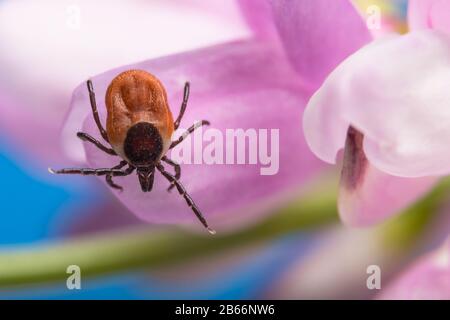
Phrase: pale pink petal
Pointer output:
(399, 108)
(395, 92)
(236, 85)
(432, 14)
(319, 34)
(427, 279)
(48, 47)
(368, 195)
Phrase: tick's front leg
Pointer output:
(183, 105)
(189, 131)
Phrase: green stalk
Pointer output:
(140, 247)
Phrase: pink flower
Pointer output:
(258, 83)
(387, 107)
(427, 279)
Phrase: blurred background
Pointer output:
(319, 259)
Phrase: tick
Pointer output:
(139, 127)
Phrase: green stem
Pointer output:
(140, 247)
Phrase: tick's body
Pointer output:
(136, 100)
(139, 127)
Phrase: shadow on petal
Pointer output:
(368, 195)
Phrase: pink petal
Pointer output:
(432, 14)
(394, 91)
(427, 279)
(238, 85)
(44, 53)
(418, 14)
(368, 195)
(259, 16)
(319, 34)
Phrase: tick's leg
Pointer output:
(176, 167)
(189, 131)
(186, 196)
(183, 105)
(95, 112)
(86, 137)
(91, 172)
(109, 179)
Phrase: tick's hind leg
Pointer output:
(186, 197)
(109, 177)
(86, 137)
(177, 169)
(95, 111)
(189, 131)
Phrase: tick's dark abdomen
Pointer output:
(143, 144)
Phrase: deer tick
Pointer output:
(139, 127)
